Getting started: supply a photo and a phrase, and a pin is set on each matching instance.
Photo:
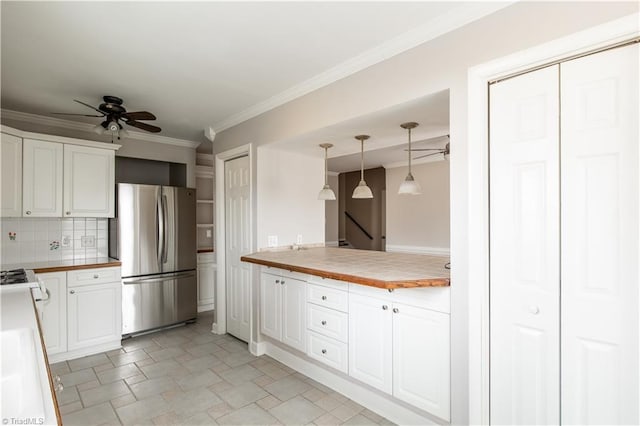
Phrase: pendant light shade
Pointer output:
(362, 190)
(326, 193)
(409, 185)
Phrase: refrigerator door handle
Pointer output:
(161, 228)
(160, 278)
(165, 231)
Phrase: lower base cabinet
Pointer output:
(53, 312)
(402, 350)
(283, 309)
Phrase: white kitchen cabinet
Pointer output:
(94, 308)
(89, 181)
(11, 176)
(53, 312)
(283, 309)
(42, 178)
(206, 281)
(402, 350)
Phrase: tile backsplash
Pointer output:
(51, 239)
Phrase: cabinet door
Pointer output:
(94, 315)
(294, 314)
(421, 358)
(89, 181)
(270, 306)
(54, 312)
(370, 342)
(11, 175)
(42, 179)
(206, 286)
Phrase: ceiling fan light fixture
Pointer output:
(326, 193)
(362, 190)
(410, 186)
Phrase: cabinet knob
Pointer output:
(72, 292)
(534, 310)
(282, 282)
(58, 379)
(68, 213)
(324, 297)
(324, 351)
(96, 276)
(323, 323)
(28, 212)
(385, 307)
(277, 281)
(395, 310)
(59, 387)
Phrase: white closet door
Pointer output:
(600, 238)
(524, 252)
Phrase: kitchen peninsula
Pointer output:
(373, 268)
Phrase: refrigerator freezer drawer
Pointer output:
(156, 301)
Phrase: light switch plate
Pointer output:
(299, 239)
(66, 241)
(88, 241)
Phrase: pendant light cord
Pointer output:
(409, 150)
(326, 169)
(361, 159)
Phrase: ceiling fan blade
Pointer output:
(440, 151)
(138, 115)
(144, 126)
(92, 107)
(81, 115)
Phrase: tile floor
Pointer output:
(187, 375)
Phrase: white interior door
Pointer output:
(238, 285)
(524, 251)
(600, 238)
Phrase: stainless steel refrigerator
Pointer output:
(154, 236)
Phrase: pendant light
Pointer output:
(326, 193)
(362, 190)
(409, 185)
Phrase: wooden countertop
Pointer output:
(366, 267)
(66, 265)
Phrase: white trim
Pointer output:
(478, 185)
(257, 348)
(330, 173)
(453, 19)
(87, 127)
(60, 139)
(220, 327)
(436, 251)
(78, 353)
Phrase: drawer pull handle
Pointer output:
(28, 211)
(395, 310)
(385, 307)
(72, 292)
(96, 276)
(324, 323)
(324, 297)
(324, 351)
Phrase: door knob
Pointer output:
(72, 292)
(324, 323)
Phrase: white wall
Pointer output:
(438, 65)
(331, 213)
(287, 197)
(419, 223)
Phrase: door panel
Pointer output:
(270, 306)
(524, 257)
(237, 232)
(54, 312)
(179, 207)
(89, 181)
(42, 179)
(10, 176)
(294, 316)
(600, 238)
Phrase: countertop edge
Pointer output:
(63, 268)
(427, 282)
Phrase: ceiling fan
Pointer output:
(444, 150)
(114, 113)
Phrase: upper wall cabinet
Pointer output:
(89, 181)
(42, 179)
(10, 176)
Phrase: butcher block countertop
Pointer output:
(66, 265)
(366, 267)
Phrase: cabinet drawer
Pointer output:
(328, 297)
(328, 322)
(93, 276)
(328, 351)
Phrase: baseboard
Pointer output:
(257, 348)
(205, 308)
(215, 329)
(365, 396)
(436, 251)
(331, 244)
(79, 353)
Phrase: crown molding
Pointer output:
(455, 18)
(86, 127)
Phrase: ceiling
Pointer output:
(200, 64)
(388, 140)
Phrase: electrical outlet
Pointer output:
(88, 241)
(272, 241)
(209, 233)
(299, 239)
(66, 241)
